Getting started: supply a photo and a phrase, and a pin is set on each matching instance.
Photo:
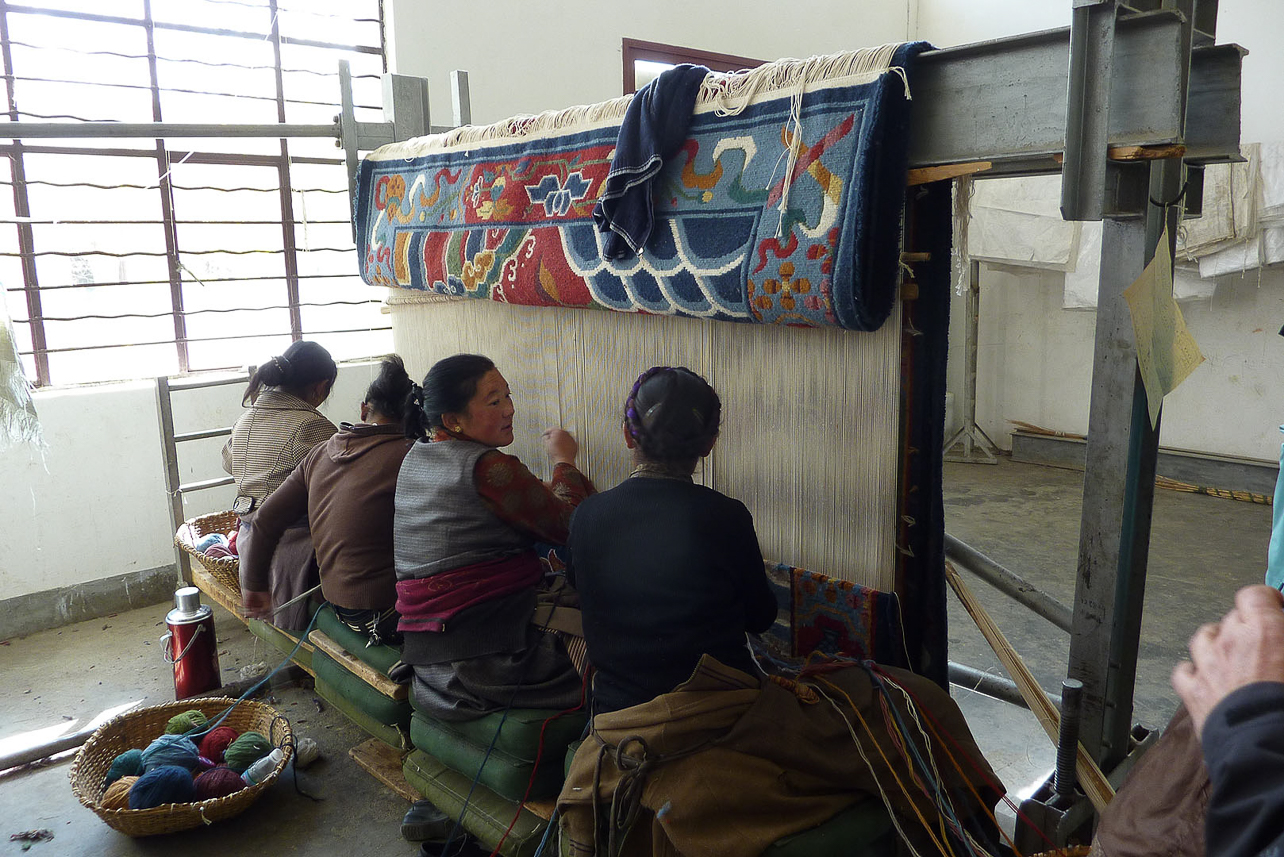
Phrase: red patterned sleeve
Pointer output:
(519, 499)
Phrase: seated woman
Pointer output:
(467, 516)
(344, 488)
(280, 428)
(667, 570)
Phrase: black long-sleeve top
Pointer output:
(667, 571)
(1243, 742)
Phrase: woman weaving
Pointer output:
(281, 426)
(467, 517)
(345, 489)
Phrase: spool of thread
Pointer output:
(181, 724)
(306, 753)
(117, 794)
(170, 750)
(216, 741)
(203, 764)
(246, 750)
(166, 784)
(260, 770)
(218, 782)
(127, 764)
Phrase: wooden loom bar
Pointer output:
(1094, 782)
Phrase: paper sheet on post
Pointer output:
(1166, 352)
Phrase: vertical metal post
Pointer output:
(1119, 478)
(969, 432)
(348, 138)
(288, 243)
(169, 455)
(460, 101)
(1092, 49)
(1068, 737)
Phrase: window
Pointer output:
(126, 257)
(644, 61)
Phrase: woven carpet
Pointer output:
(783, 206)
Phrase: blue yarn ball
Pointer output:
(170, 750)
(210, 540)
(127, 764)
(166, 784)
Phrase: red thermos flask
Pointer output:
(191, 644)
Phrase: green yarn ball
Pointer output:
(181, 724)
(246, 750)
(127, 764)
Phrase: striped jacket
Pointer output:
(270, 439)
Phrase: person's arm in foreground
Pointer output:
(1233, 687)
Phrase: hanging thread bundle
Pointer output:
(246, 750)
(216, 741)
(166, 784)
(188, 721)
(117, 794)
(218, 782)
(127, 764)
(167, 750)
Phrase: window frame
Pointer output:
(636, 49)
(166, 160)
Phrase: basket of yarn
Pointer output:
(220, 562)
(143, 780)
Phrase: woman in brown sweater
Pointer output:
(345, 487)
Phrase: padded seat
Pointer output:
(510, 769)
(487, 815)
(384, 717)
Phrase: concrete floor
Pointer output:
(1025, 516)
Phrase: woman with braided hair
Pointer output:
(667, 570)
(466, 521)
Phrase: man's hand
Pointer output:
(1246, 647)
(258, 605)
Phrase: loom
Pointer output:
(818, 418)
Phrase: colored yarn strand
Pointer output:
(946, 740)
(943, 848)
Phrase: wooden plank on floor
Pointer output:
(384, 764)
(358, 667)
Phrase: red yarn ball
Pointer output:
(216, 741)
(218, 782)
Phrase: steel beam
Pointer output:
(1005, 100)
(1092, 48)
(1011, 585)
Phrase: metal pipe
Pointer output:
(1011, 585)
(41, 751)
(110, 130)
(994, 686)
(1068, 737)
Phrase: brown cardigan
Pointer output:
(345, 487)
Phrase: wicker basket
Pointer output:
(136, 729)
(226, 570)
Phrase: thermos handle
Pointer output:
(167, 647)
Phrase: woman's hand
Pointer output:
(560, 446)
(258, 605)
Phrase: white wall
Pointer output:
(100, 510)
(525, 56)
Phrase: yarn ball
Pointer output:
(170, 750)
(231, 542)
(216, 741)
(210, 540)
(166, 784)
(246, 750)
(189, 720)
(127, 764)
(117, 794)
(218, 782)
(218, 552)
(306, 753)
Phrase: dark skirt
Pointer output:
(541, 675)
(294, 571)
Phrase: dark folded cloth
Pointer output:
(654, 127)
(426, 604)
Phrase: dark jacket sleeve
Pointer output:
(760, 603)
(1243, 742)
(283, 508)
